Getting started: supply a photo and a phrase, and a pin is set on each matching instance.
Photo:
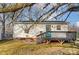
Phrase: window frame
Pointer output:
(58, 27)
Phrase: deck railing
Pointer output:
(70, 35)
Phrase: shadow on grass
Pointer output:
(5, 40)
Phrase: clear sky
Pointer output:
(74, 17)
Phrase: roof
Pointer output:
(43, 22)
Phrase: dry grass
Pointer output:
(19, 47)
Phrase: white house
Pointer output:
(56, 29)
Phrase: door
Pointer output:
(48, 29)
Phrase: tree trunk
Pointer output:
(3, 28)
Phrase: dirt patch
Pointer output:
(56, 51)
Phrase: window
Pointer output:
(48, 27)
(52, 26)
(58, 27)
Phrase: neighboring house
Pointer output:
(46, 29)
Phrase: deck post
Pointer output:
(61, 41)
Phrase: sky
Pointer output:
(73, 18)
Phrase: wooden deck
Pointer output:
(70, 36)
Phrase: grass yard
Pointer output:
(19, 47)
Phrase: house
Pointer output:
(47, 29)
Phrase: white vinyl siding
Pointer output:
(37, 28)
(18, 31)
(64, 27)
(58, 35)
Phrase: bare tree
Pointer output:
(15, 7)
(4, 18)
(48, 12)
(3, 23)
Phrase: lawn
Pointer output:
(19, 47)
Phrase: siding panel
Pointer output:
(58, 35)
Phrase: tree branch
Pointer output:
(67, 16)
(16, 7)
(56, 8)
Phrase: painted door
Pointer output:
(48, 29)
